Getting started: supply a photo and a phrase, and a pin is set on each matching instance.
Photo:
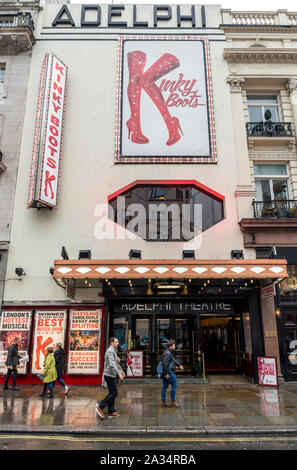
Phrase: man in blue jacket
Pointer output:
(168, 364)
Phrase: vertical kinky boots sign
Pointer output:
(165, 101)
(47, 145)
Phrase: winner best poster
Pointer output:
(84, 342)
(49, 330)
(14, 324)
(165, 101)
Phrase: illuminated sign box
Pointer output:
(47, 145)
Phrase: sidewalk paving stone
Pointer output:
(214, 408)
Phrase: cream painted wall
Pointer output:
(89, 173)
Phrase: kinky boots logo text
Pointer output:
(181, 92)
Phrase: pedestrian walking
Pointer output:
(49, 373)
(169, 377)
(59, 356)
(12, 361)
(111, 373)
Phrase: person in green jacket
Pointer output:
(49, 373)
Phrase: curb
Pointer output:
(139, 432)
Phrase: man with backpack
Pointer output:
(169, 377)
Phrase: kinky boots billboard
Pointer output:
(204, 306)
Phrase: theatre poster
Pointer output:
(50, 327)
(134, 363)
(84, 342)
(14, 324)
(267, 371)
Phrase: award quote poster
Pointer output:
(50, 326)
(14, 324)
(165, 100)
(267, 371)
(84, 342)
(134, 363)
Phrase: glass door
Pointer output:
(121, 331)
(183, 344)
(142, 341)
(162, 336)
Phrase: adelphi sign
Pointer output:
(127, 16)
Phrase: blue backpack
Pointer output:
(159, 369)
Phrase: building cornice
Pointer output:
(254, 55)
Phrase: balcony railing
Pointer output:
(269, 129)
(19, 20)
(16, 33)
(281, 208)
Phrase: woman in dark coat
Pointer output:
(60, 365)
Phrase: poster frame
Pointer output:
(36, 311)
(97, 373)
(142, 368)
(212, 157)
(30, 311)
(275, 364)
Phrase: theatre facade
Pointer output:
(137, 187)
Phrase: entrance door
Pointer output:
(179, 330)
(221, 343)
(184, 343)
(142, 341)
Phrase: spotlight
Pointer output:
(188, 254)
(135, 254)
(84, 254)
(20, 272)
(236, 254)
(64, 253)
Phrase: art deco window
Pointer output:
(167, 212)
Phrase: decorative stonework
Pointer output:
(256, 55)
(235, 83)
(292, 85)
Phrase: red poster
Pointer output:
(134, 363)
(49, 330)
(267, 371)
(14, 324)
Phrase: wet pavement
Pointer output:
(224, 405)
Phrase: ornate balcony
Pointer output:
(270, 133)
(281, 208)
(16, 33)
(269, 129)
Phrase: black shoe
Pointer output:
(6, 388)
(15, 389)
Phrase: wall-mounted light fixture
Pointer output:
(84, 254)
(135, 254)
(20, 272)
(188, 254)
(237, 254)
(64, 253)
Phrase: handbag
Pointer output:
(160, 370)
(119, 381)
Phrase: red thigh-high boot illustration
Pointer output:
(41, 348)
(136, 64)
(161, 67)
